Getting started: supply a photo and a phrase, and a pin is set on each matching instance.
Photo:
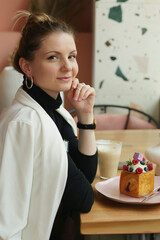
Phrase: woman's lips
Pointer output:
(65, 79)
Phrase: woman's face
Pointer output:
(55, 66)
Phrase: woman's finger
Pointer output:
(75, 83)
(78, 91)
(83, 91)
(88, 92)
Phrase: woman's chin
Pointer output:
(66, 88)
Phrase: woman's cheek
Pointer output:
(76, 70)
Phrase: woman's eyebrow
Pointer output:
(52, 52)
(74, 51)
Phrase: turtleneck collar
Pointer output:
(43, 98)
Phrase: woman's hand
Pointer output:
(81, 97)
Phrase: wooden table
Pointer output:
(109, 217)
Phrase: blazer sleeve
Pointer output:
(16, 173)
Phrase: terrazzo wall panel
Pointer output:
(127, 53)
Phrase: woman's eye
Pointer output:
(72, 56)
(52, 58)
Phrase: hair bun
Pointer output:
(31, 17)
(39, 18)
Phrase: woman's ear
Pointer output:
(25, 67)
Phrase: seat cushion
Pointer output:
(118, 121)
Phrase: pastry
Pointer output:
(137, 177)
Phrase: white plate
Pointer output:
(110, 189)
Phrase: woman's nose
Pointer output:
(66, 65)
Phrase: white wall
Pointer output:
(133, 42)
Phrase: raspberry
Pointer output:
(139, 170)
(150, 166)
(125, 167)
(135, 161)
(144, 159)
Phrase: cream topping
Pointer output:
(138, 165)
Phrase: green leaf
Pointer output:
(129, 163)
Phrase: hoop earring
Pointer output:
(31, 82)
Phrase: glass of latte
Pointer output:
(109, 153)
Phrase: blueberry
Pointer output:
(142, 162)
(131, 169)
(146, 169)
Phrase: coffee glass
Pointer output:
(109, 153)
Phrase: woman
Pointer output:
(44, 170)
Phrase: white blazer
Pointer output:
(33, 169)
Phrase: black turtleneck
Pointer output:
(78, 194)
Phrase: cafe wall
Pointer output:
(9, 37)
(127, 53)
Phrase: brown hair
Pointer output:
(38, 25)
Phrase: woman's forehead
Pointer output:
(57, 42)
(59, 37)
